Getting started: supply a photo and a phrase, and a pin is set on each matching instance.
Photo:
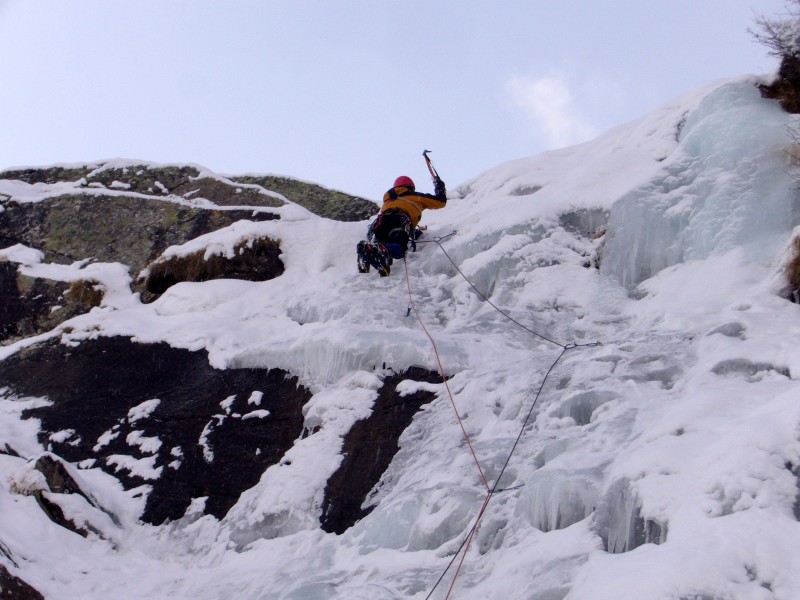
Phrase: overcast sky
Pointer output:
(348, 93)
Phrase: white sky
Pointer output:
(347, 93)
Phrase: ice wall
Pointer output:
(727, 184)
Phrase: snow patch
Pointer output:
(143, 468)
(256, 414)
(143, 410)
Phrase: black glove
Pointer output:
(439, 189)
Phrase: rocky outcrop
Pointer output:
(188, 182)
(55, 513)
(786, 86)
(29, 306)
(126, 229)
(159, 416)
(254, 260)
(48, 174)
(319, 200)
(14, 588)
(368, 449)
(149, 210)
(182, 181)
(152, 414)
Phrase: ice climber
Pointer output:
(396, 225)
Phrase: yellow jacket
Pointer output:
(411, 202)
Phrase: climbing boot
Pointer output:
(362, 252)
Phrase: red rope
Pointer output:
(489, 490)
(469, 543)
(465, 545)
(411, 306)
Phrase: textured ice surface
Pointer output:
(726, 184)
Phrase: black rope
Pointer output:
(528, 417)
(447, 568)
(569, 346)
(492, 304)
(494, 488)
(564, 349)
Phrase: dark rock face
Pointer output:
(368, 449)
(31, 306)
(13, 588)
(144, 179)
(60, 482)
(133, 231)
(226, 195)
(786, 88)
(55, 513)
(18, 309)
(187, 182)
(57, 477)
(156, 415)
(48, 174)
(319, 200)
(256, 260)
(183, 181)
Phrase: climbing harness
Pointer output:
(491, 490)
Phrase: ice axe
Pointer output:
(431, 168)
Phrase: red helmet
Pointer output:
(404, 181)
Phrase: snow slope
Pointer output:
(661, 463)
